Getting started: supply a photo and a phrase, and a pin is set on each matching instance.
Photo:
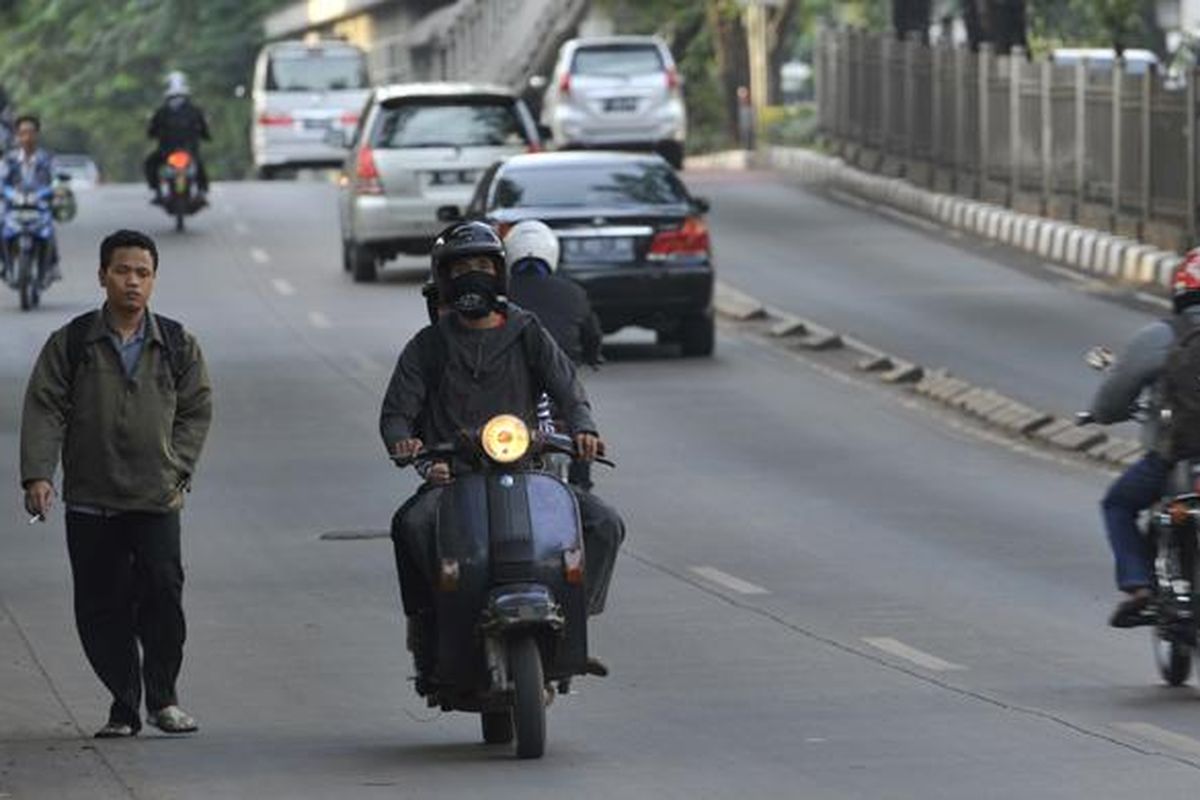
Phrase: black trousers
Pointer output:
(128, 592)
(415, 525)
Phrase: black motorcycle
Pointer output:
(1172, 525)
(179, 192)
(510, 603)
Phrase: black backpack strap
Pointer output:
(175, 343)
(77, 330)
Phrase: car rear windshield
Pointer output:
(601, 185)
(316, 71)
(617, 60)
(449, 122)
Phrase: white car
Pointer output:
(421, 147)
(617, 92)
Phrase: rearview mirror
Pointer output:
(449, 214)
(701, 205)
(1099, 358)
(336, 137)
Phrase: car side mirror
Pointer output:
(449, 214)
(336, 137)
(701, 205)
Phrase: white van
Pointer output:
(1137, 62)
(302, 91)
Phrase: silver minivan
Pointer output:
(617, 91)
(303, 90)
(422, 147)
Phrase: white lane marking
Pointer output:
(319, 320)
(918, 657)
(241, 228)
(1153, 733)
(283, 287)
(728, 581)
(1154, 299)
(260, 256)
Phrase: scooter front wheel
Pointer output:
(1174, 659)
(529, 706)
(28, 285)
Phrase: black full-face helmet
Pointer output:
(464, 239)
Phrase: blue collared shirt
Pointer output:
(129, 351)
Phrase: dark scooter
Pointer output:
(1172, 525)
(510, 603)
(178, 192)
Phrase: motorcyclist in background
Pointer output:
(532, 251)
(479, 358)
(1137, 370)
(8, 126)
(178, 124)
(30, 169)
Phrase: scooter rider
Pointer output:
(481, 358)
(178, 124)
(1136, 371)
(533, 251)
(29, 168)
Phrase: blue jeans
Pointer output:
(1138, 489)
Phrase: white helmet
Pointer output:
(177, 84)
(531, 239)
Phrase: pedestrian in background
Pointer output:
(123, 395)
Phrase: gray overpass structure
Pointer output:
(502, 41)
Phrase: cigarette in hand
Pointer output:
(36, 518)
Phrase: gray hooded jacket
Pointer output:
(1136, 371)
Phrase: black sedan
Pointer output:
(631, 235)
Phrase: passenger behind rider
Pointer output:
(1136, 371)
(177, 124)
(532, 251)
(29, 168)
(481, 358)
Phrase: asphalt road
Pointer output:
(987, 314)
(826, 593)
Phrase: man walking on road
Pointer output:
(123, 395)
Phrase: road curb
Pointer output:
(981, 403)
(1107, 255)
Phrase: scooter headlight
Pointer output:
(505, 439)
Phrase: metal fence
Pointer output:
(1092, 143)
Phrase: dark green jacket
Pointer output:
(126, 444)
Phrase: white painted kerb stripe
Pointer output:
(259, 255)
(918, 657)
(728, 581)
(319, 320)
(1153, 733)
(283, 287)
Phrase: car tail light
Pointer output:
(274, 120)
(573, 566)
(564, 84)
(366, 174)
(349, 120)
(673, 80)
(689, 240)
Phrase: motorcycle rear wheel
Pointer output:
(497, 727)
(1174, 659)
(529, 706)
(179, 224)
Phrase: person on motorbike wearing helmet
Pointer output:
(482, 357)
(562, 305)
(1142, 484)
(177, 124)
(29, 168)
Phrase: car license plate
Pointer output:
(618, 104)
(599, 249)
(453, 177)
(317, 124)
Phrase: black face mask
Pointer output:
(475, 294)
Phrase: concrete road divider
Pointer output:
(986, 405)
(1107, 255)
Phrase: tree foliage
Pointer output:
(93, 70)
